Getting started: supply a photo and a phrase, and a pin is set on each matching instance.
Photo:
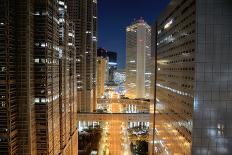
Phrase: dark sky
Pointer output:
(115, 15)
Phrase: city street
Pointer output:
(114, 138)
(119, 143)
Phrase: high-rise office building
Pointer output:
(37, 103)
(193, 45)
(46, 73)
(67, 82)
(138, 59)
(112, 63)
(120, 76)
(102, 75)
(15, 133)
(119, 80)
(84, 15)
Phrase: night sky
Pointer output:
(115, 15)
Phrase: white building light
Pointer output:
(174, 90)
(168, 24)
(61, 20)
(94, 38)
(112, 63)
(36, 13)
(36, 60)
(70, 34)
(61, 3)
(36, 100)
(43, 44)
(167, 39)
(43, 100)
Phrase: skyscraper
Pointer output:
(138, 59)
(15, 136)
(37, 110)
(119, 80)
(193, 45)
(102, 75)
(112, 63)
(67, 82)
(84, 15)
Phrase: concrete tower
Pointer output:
(138, 40)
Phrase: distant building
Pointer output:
(102, 75)
(120, 76)
(120, 79)
(112, 63)
(192, 39)
(138, 60)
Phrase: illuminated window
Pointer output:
(70, 44)
(43, 44)
(168, 24)
(43, 100)
(36, 60)
(61, 3)
(36, 100)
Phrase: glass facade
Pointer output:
(192, 41)
(212, 121)
(175, 75)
